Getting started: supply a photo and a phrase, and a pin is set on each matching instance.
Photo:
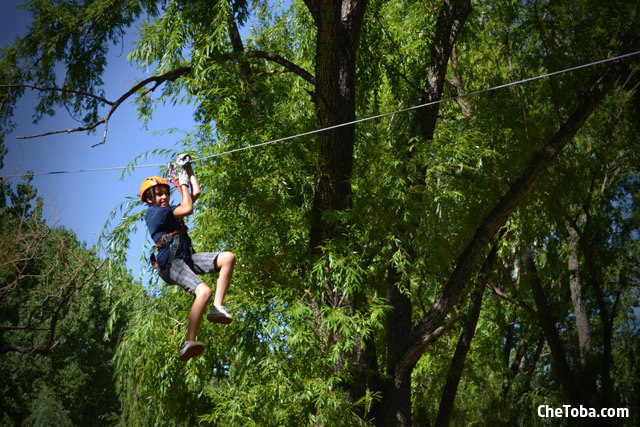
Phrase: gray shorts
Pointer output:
(185, 272)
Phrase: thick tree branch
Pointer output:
(284, 62)
(547, 323)
(396, 403)
(245, 67)
(313, 6)
(456, 82)
(453, 14)
(547, 59)
(464, 343)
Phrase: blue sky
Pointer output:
(82, 201)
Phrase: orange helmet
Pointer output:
(151, 182)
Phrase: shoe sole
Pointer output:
(193, 351)
(220, 319)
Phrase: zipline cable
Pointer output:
(404, 110)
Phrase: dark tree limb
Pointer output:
(396, 402)
(502, 295)
(464, 343)
(547, 59)
(547, 324)
(245, 67)
(338, 31)
(577, 297)
(272, 57)
(313, 6)
(452, 16)
(603, 309)
(456, 82)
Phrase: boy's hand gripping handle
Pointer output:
(184, 161)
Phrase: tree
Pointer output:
(56, 337)
(375, 231)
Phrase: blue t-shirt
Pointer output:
(160, 221)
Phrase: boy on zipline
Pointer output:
(176, 261)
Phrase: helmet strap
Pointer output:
(151, 192)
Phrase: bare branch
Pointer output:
(499, 293)
(456, 82)
(78, 129)
(284, 62)
(158, 80)
(58, 89)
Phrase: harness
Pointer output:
(172, 240)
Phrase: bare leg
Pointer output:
(203, 295)
(225, 262)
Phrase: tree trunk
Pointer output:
(579, 308)
(547, 324)
(451, 18)
(338, 25)
(396, 404)
(605, 316)
(464, 343)
(397, 395)
(524, 367)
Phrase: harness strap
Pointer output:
(173, 240)
(170, 237)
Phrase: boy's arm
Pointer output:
(186, 206)
(195, 187)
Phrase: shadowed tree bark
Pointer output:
(338, 25)
(464, 343)
(579, 307)
(547, 323)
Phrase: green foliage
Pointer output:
(258, 202)
(46, 410)
(56, 302)
(414, 206)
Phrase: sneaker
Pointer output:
(191, 349)
(219, 314)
